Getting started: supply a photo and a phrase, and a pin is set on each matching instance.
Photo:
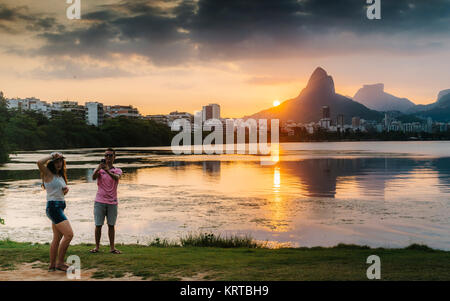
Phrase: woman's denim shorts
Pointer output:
(55, 211)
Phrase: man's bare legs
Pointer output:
(98, 235)
(111, 234)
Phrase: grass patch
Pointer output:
(157, 262)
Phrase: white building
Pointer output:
(30, 103)
(325, 123)
(68, 106)
(179, 115)
(94, 113)
(122, 111)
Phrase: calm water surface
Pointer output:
(387, 194)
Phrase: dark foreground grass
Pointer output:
(343, 262)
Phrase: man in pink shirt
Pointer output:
(105, 205)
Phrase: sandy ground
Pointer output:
(35, 272)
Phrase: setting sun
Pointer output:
(276, 103)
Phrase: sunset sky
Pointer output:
(166, 55)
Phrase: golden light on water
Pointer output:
(275, 152)
(276, 179)
(278, 214)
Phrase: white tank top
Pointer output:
(54, 189)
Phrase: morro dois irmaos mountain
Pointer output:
(307, 106)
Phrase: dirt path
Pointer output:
(35, 272)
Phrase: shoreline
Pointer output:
(138, 262)
(286, 140)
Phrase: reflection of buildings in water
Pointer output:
(177, 164)
(212, 168)
(442, 166)
(321, 177)
(131, 174)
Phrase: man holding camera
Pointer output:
(105, 205)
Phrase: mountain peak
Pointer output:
(374, 97)
(319, 73)
(443, 93)
(320, 81)
(374, 88)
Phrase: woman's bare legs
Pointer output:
(54, 246)
(66, 230)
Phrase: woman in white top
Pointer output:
(54, 178)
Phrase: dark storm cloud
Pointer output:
(93, 41)
(236, 20)
(15, 20)
(397, 15)
(210, 29)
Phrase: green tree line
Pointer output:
(28, 130)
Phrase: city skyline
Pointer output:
(165, 55)
(94, 113)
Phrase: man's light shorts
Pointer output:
(102, 210)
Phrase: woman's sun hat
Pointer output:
(60, 156)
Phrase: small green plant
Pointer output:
(216, 240)
(162, 243)
(2, 221)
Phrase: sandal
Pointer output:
(62, 267)
(94, 251)
(115, 251)
(51, 269)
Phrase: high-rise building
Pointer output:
(429, 125)
(340, 121)
(211, 111)
(356, 123)
(325, 112)
(325, 122)
(387, 121)
(94, 113)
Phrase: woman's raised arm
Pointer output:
(41, 164)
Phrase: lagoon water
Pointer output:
(388, 194)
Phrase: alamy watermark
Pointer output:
(74, 270)
(74, 10)
(214, 142)
(374, 270)
(373, 9)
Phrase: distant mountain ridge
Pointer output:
(438, 111)
(374, 97)
(443, 93)
(307, 106)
